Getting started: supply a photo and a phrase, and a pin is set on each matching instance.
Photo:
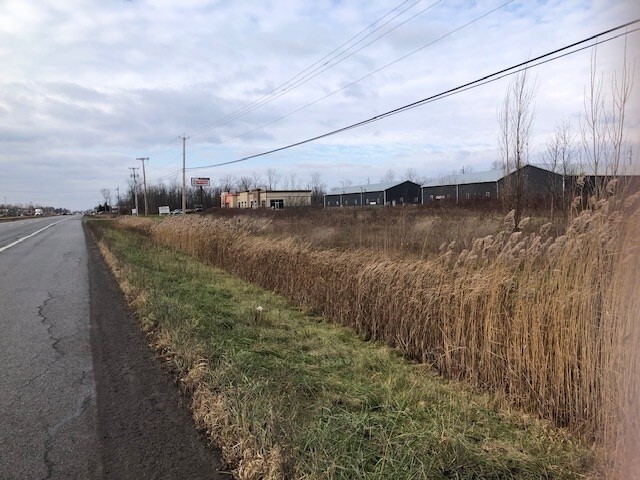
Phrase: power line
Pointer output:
(442, 37)
(461, 88)
(321, 62)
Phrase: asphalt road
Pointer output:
(81, 395)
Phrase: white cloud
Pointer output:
(86, 87)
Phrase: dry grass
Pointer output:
(549, 322)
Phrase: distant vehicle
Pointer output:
(198, 209)
(38, 212)
(177, 211)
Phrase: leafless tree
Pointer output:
(106, 194)
(273, 178)
(255, 180)
(516, 127)
(345, 182)
(244, 183)
(603, 125)
(593, 124)
(389, 176)
(318, 188)
(226, 182)
(296, 183)
(558, 157)
(411, 175)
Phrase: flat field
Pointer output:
(543, 319)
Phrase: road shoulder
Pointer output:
(145, 429)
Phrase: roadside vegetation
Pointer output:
(546, 322)
(288, 395)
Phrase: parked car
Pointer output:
(177, 211)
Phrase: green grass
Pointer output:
(336, 406)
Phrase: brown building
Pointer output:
(258, 198)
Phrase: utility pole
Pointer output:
(135, 186)
(118, 197)
(144, 181)
(184, 173)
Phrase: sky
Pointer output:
(88, 87)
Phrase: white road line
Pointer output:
(6, 247)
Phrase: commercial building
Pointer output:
(258, 198)
(388, 193)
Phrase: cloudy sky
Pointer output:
(88, 86)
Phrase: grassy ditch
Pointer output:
(287, 395)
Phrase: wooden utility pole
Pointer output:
(144, 181)
(135, 185)
(184, 174)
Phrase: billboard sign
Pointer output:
(164, 210)
(200, 182)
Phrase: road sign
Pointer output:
(200, 182)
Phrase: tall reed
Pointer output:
(548, 322)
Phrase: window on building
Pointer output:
(468, 196)
(431, 197)
(488, 194)
(276, 204)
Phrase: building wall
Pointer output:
(407, 192)
(538, 185)
(477, 191)
(228, 200)
(332, 200)
(439, 193)
(267, 199)
(354, 199)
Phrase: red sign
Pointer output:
(200, 182)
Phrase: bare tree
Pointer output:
(273, 178)
(516, 127)
(244, 183)
(345, 182)
(411, 175)
(592, 124)
(255, 179)
(227, 182)
(603, 129)
(294, 181)
(621, 88)
(389, 176)
(318, 189)
(106, 194)
(558, 158)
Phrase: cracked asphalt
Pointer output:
(81, 395)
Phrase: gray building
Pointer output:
(388, 193)
(463, 187)
(540, 184)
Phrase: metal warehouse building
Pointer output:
(464, 186)
(538, 184)
(389, 193)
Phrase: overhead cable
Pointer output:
(549, 56)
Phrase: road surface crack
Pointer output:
(52, 431)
